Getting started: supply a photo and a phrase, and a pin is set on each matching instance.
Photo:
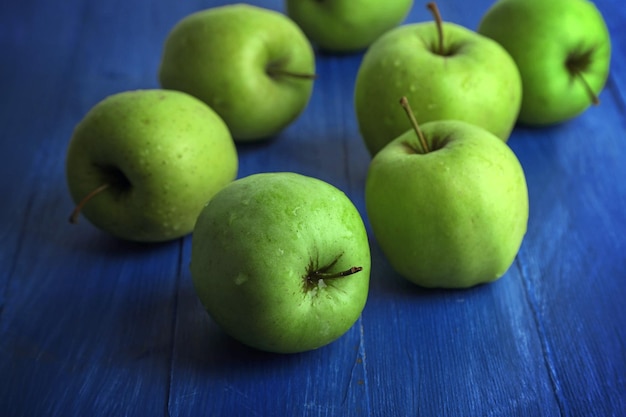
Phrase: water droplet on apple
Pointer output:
(241, 278)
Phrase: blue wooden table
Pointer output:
(93, 326)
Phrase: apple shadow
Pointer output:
(201, 347)
(386, 284)
(108, 245)
(171, 331)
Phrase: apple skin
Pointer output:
(343, 26)
(475, 81)
(164, 154)
(451, 218)
(225, 56)
(256, 241)
(543, 37)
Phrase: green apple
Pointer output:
(446, 71)
(448, 205)
(562, 49)
(142, 164)
(346, 25)
(281, 261)
(253, 66)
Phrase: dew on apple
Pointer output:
(165, 196)
(241, 278)
(302, 269)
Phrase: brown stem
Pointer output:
(330, 275)
(407, 107)
(593, 96)
(273, 72)
(432, 6)
(85, 200)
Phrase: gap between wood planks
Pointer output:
(546, 349)
(174, 327)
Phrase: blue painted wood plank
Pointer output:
(86, 326)
(93, 326)
(461, 350)
(574, 260)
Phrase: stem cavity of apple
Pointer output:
(315, 279)
(432, 6)
(576, 64)
(407, 107)
(79, 207)
(315, 276)
(277, 72)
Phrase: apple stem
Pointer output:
(85, 200)
(330, 275)
(407, 107)
(594, 97)
(274, 72)
(432, 6)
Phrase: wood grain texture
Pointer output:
(90, 325)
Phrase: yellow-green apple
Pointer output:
(562, 49)
(448, 204)
(281, 261)
(253, 66)
(446, 71)
(142, 164)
